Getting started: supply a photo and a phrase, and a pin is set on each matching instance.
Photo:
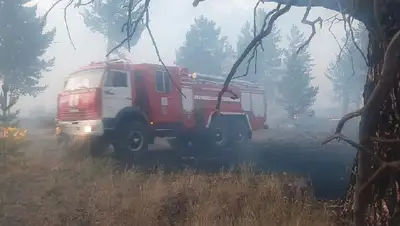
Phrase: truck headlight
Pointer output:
(87, 129)
(58, 130)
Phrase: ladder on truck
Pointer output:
(220, 80)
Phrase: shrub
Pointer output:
(12, 141)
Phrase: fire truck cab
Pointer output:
(129, 105)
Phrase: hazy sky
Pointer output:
(169, 22)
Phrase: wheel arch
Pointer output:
(235, 115)
(131, 113)
(231, 117)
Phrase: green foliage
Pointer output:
(107, 17)
(297, 95)
(348, 73)
(205, 50)
(23, 43)
(229, 60)
(267, 60)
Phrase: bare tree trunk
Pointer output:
(373, 204)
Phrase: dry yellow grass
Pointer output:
(82, 193)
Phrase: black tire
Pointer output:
(218, 134)
(239, 136)
(131, 140)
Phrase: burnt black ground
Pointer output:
(327, 167)
(275, 150)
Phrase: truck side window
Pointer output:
(167, 82)
(116, 79)
(162, 82)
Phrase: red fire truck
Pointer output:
(129, 105)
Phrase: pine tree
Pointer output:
(107, 17)
(267, 61)
(297, 95)
(348, 73)
(23, 43)
(205, 50)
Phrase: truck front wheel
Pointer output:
(218, 134)
(132, 139)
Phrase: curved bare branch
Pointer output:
(249, 47)
(147, 21)
(311, 24)
(359, 10)
(66, 22)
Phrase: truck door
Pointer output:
(117, 92)
(142, 97)
(168, 99)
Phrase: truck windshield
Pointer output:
(84, 79)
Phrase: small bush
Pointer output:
(12, 142)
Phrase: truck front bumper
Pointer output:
(81, 128)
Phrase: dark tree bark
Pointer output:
(383, 124)
(375, 202)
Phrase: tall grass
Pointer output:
(82, 193)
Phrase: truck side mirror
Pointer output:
(266, 126)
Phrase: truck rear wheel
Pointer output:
(239, 135)
(98, 146)
(132, 138)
